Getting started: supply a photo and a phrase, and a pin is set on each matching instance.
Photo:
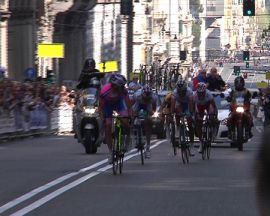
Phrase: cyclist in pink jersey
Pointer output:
(114, 97)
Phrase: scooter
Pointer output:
(88, 124)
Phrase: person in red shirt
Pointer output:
(201, 78)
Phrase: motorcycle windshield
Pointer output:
(240, 101)
(90, 96)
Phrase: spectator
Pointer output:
(201, 77)
(215, 81)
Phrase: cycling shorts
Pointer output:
(120, 107)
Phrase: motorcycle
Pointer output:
(88, 124)
(240, 132)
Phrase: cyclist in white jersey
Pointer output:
(182, 103)
(204, 103)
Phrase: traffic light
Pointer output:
(236, 70)
(248, 7)
(247, 64)
(126, 7)
(183, 55)
(50, 77)
(245, 55)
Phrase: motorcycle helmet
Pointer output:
(147, 91)
(89, 63)
(118, 80)
(239, 83)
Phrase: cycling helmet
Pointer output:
(239, 83)
(89, 63)
(201, 88)
(181, 85)
(146, 91)
(118, 80)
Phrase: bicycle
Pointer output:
(184, 138)
(172, 136)
(138, 132)
(119, 137)
(207, 137)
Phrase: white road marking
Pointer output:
(260, 129)
(229, 77)
(47, 186)
(59, 180)
(71, 185)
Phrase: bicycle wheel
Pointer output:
(183, 144)
(173, 141)
(115, 162)
(115, 151)
(141, 145)
(121, 163)
(204, 146)
(209, 143)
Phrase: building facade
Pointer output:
(4, 16)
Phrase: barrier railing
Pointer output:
(40, 120)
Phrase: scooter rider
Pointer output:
(89, 71)
(239, 91)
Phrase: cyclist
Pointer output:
(134, 84)
(239, 91)
(203, 101)
(165, 108)
(145, 100)
(114, 97)
(182, 102)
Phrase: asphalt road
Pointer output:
(53, 176)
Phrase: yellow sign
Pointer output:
(55, 50)
(262, 85)
(108, 66)
(267, 75)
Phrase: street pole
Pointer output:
(129, 45)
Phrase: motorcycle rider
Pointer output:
(239, 91)
(114, 97)
(145, 100)
(85, 81)
(88, 72)
(182, 102)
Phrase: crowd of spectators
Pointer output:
(18, 99)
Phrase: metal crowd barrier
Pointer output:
(22, 123)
